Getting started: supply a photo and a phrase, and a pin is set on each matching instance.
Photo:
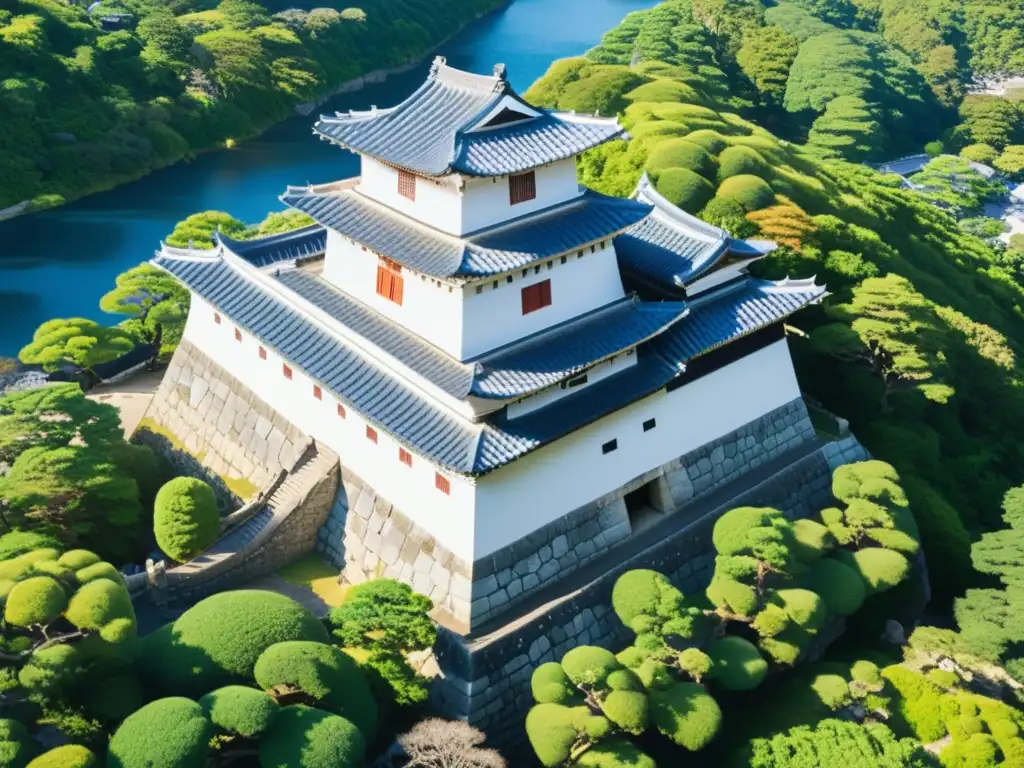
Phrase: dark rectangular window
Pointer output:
(371, 434)
(389, 280)
(238, 335)
(442, 483)
(610, 446)
(522, 187)
(577, 382)
(536, 296)
(405, 457)
(649, 425)
(318, 393)
(263, 353)
(286, 371)
(407, 184)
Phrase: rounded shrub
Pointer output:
(980, 750)
(615, 753)
(627, 710)
(623, 680)
(663, 90)
(51, 670)
(589, 665)
(695, 663)
(740, 598)
(311, 738)
(684, 188)
(642, 592)
(730, 534)
(811, 540)
(551, 730)
(864, 671)
(104, 607)
(787, 646)
(324, 672)
(166, 732)
(77, 559)
(736, 664)
(15, 743)
(751, 192)
(217, 641)
(550, 685)
(712, 141)
(839, 585)
(36, 600)
(67, 756)
(770, 621)
(687, 714)
(17, 543)
(804, 607)
(240, 709)
(739, 161)
(980, 153)
(185, 518)
(832, 690)
(98, 571)
(881, 569)
(680, 153)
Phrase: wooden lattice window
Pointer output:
(286, 371)
(407, 184)
(389, 280)
(263, 353)
(536, 296)
(442, 483)
(318, 393)
(371, 434)
(522, 187)
(405, 457)
(341, 410)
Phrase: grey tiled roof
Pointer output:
(513, 371)
(430, 133)
(672, 248)
(511, 246)
(286, 246)
(439, 434)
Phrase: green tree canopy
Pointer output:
(185, 518)
(77, 343)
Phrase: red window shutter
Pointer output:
(529, 295)
(522, 187)
(382, 277)
(442, 483)
(397, 289)
(318, 393)
(407, 185)
(389, 280)
(263, 353)
(341, 410)
(371, 434)
(405, 457)
(216, 318)
(545, 293)
(286, 371)
(536, 296)
(238, 335)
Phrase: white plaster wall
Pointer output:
(433, 311)
(438, 202)
(495, 317)
(449, 518)
(562, 476)
(551, 394)
(486, 200)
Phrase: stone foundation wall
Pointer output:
(370, 538)
(208, 424)
(487, 681)
(513, 574)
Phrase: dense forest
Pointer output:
(88, 104)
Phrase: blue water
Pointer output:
(58, 263)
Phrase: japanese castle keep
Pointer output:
(528, 385)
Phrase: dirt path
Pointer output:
(131, 397)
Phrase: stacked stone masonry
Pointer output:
(513, 574)
(226, 431)
(487, 680)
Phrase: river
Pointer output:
(58, 263)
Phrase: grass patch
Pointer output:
(311, 571)
(158, 429)
(241, 487)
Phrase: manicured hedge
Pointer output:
(712, 141)
(839, 585)
(739, 161)
(751, 192)
(240, 709)
(67, 756)
(36, 600)
(167, 733)
(684, 188)
(616, 753)
(217, 641)
(687, 714)
(680, 153)
(185, 518)
(737, 665)
(881, 569)
(311, 738)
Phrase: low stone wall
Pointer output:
(513, 574)
(208, 424)
(487, 680)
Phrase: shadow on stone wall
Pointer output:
(184, 464)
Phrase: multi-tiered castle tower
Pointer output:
(508, 365)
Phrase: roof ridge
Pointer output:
(442, 72)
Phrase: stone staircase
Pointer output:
(232, 552)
